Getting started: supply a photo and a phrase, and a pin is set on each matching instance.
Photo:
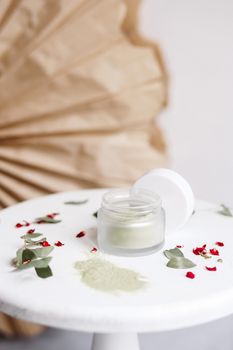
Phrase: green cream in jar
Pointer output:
(131, 222)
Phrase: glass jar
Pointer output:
(131, 222)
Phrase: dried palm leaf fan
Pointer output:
(79, 90)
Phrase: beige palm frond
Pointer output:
(79, 90)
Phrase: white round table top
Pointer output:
(170, 301)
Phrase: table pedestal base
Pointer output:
(115, 341)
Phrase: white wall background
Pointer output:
(196, 37)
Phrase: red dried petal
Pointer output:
(211, 268)
(220, 244)
(22, 224)
(214, 251)
(58, 244)
(81, 234)
(179, 246)
(50, 216)
(31, 231)
(190, 274)
(45, 244)
(199, 250)
(196, 251)
(94, 250)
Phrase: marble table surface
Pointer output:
(171, 300)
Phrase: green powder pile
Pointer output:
(102, 275)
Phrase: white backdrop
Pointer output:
(196, 37)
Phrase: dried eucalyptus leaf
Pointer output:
(173, 253)
(24, 258)
(25, 265)
(44, 272)
(51, 221)
(28, 254)
(225, 211)
(46, 220)
(41, 263)
(43, 252)
(76, 202)
(33, 244)
(38, 241)
(19, 254)
(180, 263)
(30, 236)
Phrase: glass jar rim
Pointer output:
(113, 201)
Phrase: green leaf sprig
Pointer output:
(225, 211)
(32, 254)
(84, 201)
(177, 259)
(48, 219)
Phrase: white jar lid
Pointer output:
(175, 192)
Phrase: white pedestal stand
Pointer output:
(115, 341)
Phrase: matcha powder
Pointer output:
(102, 275)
